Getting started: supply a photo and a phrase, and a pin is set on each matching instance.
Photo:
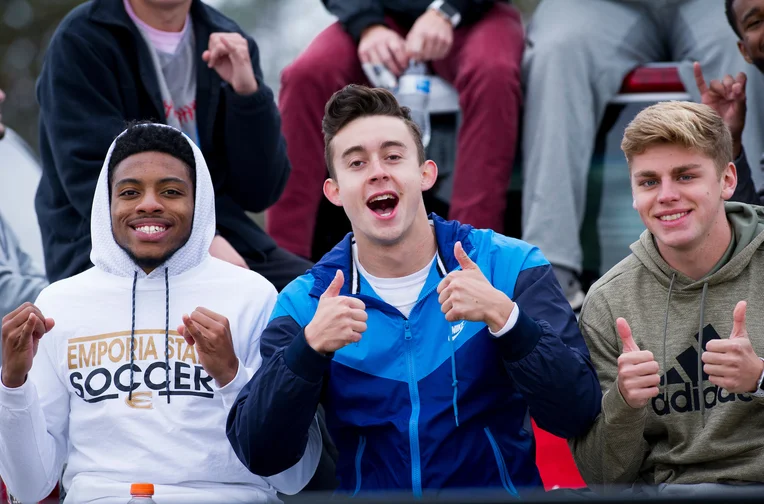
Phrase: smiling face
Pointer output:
(680, 195)
(749, 19)
(378, 179)
(152, 207)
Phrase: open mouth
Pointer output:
(383, 204)
(150, 232)
(673, 217)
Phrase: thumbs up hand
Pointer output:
(467, 294)
(338, 321)
(638, 377)
(732, 363)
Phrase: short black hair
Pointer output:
(145, 136)
(730, 12)
(355, 101)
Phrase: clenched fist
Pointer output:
(638, 377)
(22, 330)
(339, 320)
(210, 333)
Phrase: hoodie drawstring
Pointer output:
(132, 340)
(167, 332)
(665, 333)
(166, 336)
(701, 395)
(455, 381)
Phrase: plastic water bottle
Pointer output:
(414, 93)
(142, 493)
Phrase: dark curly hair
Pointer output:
(144, 136)
(354, 101)
(730, 12)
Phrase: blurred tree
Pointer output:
(25, 30)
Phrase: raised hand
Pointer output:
(638, 378)
(732, 363)
(210, 333)
(339, 320)
(727, 98)
(467, 294)
(22, 330)
(228, 54)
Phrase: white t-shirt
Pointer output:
(401, 292)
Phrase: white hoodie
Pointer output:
(74, 409)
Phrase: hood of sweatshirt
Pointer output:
(691, 426)
(108, 256)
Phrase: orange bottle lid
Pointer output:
(142, 489)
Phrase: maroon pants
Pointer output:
(484, 67)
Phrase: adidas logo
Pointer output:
(687, 399)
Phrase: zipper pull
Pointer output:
(407, 328)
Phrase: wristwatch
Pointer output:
(760, 388)
(446, 10)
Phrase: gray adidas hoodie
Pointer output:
(682, 435)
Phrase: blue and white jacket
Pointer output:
(421, 403)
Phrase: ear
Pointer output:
(332, 192)
(429, 174)
(729, 181)
(744, 52)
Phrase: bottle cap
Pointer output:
(142, 489)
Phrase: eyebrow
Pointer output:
(385, 145)
(677, 170)
(165, 180)
(751, 12)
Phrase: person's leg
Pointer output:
(484, 67)
(280, 267)
(700, 32)
(329, 63)
(577, 55)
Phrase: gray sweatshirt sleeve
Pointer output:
(20, 280)
(613, 450)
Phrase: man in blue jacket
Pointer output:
(430, 343)
(176, 62)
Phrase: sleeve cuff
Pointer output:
(617, 411)
(249, 104)
(19, 398)
(231, 390)
(511, 321)
(521, 339)
(305, 362)
(356, 25)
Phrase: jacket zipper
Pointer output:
(358, 457)
(416, 469)
(506, 481)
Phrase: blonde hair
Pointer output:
(693, 126)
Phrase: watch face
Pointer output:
(450, 11)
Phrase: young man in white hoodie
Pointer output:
(108, 389)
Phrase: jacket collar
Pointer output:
(205, 22)
(447, 233)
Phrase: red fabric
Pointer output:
(555, 462)
(484, 67)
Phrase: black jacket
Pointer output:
(97, 76)
(357, 15)
(745, 192)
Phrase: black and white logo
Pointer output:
(683, 393)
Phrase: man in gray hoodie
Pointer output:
(20, 279)
(676, 329)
